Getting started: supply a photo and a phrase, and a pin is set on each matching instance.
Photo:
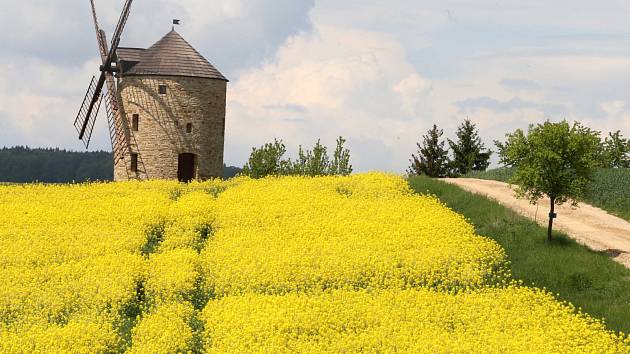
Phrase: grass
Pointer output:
(609, 189)
(587, 279)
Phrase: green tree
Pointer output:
(298, 167)
(317, 161)
(554, 160)
(340, 165)
(432, 159)
(615, 151)
(310, 163)
(469, 152)
(267, 161)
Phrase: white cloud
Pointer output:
(34, 111)
(39, 101)
(353, 83)
(619, 118)
(411, 89)
(49, 52)
(614, 107)
(378, 73)
(578, 87)
(221, 10)
(343, 87)
(231, 33)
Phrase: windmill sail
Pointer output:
(86, 117)
(115, 123)
(95, 94)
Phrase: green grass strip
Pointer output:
(587, 279)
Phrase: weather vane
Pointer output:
(175, 22)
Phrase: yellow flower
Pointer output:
(288, 264)
(167, 330)
(507, 320)
(367, 231)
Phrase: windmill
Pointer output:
(165, 107)
(86, 118)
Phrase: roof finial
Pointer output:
(175, 22)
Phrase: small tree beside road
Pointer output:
(554, 160)
(469, 152)
(432, 159)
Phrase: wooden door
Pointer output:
(186, 167)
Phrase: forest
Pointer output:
(22, 164)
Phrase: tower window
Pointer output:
(134, 162)
(134, 122)
(189, 128)
(177, 123)
(162, 89)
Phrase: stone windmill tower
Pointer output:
(165, 107)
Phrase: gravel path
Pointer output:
(588, 225)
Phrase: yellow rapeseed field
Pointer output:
(300, 234)
(508, 320)
(287, 264)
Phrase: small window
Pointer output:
(177, 123)
(134, 122)
(162, 89)
(134, 162)
(189, 128)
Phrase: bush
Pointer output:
(268, 161)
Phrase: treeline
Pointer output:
(554, 160)
(25, 165)
(269, 160)
(468, 154)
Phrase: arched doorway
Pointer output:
(186, 167)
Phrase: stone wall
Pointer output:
(163, 119)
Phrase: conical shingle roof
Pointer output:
(173, 56)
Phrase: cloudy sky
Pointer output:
(379, 73)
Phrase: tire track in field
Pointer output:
(588, 225)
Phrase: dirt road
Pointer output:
(586, 224)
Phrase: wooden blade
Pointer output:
(96, 97)
(84, 122)
(117, 132)
(117, 126)
(111, 82)
(102, 43)
(122, 21)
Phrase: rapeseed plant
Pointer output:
(284, 264)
